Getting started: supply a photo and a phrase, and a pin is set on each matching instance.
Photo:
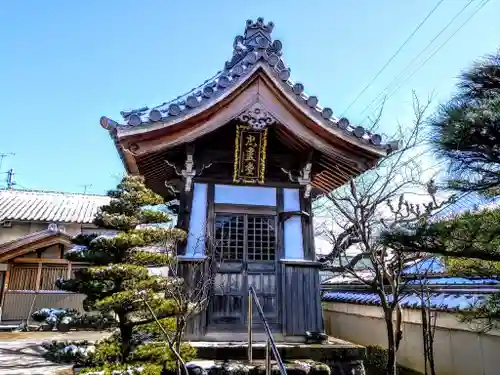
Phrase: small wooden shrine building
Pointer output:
(36, 228)
(246, 153)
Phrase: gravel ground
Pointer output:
(21, 353)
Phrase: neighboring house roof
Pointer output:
(427, 266)
(47, 206)
(466, 202)
(438, 301)
(256, 46)
(446, 293)
(347, 279)
(452, 280)
(29, 242)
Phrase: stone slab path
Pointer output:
(21, 353)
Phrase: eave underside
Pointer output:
(286, 153)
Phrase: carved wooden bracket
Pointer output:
(171, 189)
(189, 171)
(304, 178)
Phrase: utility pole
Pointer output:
(10, 178)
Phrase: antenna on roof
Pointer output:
(85, 186)
(4, 155)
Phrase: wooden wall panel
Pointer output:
(301, 303)
(17, 305)
(50, 274)
(195, 274)
(23, 277)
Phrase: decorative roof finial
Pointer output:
(258, 34)
(257, 37)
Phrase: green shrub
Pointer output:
(376, 362)
(68, 352)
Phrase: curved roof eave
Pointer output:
(314, 113)
(253, 51)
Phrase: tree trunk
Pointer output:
(391, 343)
(430, 343)
(126, 337)
(181, 365)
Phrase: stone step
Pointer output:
(332, 350)
(293, 367)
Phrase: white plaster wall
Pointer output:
(458, 350)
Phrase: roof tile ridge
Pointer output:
(52, 192)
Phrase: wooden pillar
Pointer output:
(280, 239)
(5, 286)
(210, 221)
(280, 253)
(70, 268)
(307, 227)
(38, 276)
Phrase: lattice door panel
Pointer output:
(246, 248)
(261, 238)
(230, 237)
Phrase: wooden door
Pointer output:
(246, 247)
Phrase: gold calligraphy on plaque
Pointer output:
(250, 155)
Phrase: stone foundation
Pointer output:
(335, 357)
(293, 367)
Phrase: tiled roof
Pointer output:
(45, 206)
(32, 238)
(438, 301)
(427, 266)
(255, 46)
(432, 265)
(452, 280)
(468, 202)
(346, 279)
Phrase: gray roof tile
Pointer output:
(46, 206)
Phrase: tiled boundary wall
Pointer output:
(458, 350)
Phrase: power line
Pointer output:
(392, 57)
(440, 46)
(399, 76)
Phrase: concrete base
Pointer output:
(226, 336)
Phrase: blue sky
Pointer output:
(66, 63)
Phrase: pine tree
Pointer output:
(118, 281)
(467, 129)
(466, 135)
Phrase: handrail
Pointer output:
(270, 344)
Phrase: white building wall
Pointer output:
(293, 240)
(458, 349)
(197, 222)
(248, 195)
